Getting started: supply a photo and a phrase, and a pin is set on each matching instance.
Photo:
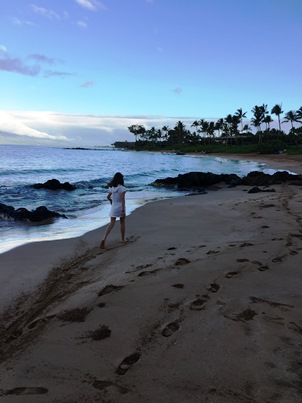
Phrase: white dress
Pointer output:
(117, 206)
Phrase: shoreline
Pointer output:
(58, 248)
(275, 161)
(282, 161)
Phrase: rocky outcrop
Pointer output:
(256, 178)
(54, 184)
(197, 180)
(22, 214)
(255, 189)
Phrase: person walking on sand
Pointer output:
(116, 196)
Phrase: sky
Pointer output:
(79, 72)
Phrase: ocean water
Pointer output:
(89, 170)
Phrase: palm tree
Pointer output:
(277, 110)
(195, 124)
(137, 130)
(204, 126)
(299, 114)
(267, 120)
(240, 115)
(180, 130)
(291, 116)
(219, 126)
(165, 129)
(264, 110)
(258, 112)
(246, 128)
(211, 129)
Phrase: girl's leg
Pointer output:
(107, 232)
(123, 226)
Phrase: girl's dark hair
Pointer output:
(118, 179)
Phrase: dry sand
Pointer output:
(203, 304)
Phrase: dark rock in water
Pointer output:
(255, 189)
(195, 180)
(256, 178)
(22, 214)
(54, 184)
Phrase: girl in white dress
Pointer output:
(116, 196)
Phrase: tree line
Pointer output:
(226, 130)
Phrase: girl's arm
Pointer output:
(109, 197)
(123, 203)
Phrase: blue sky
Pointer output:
(79, 72)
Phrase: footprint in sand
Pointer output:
(178, 285)
(170, 328)
(127, 363)
(110, 288)
(244, 316)
(99, 334)
(106, 385)
(213, 287)
(75, 315)
(263, 268)
(198, 304)
(231, 274)
(212, 252)
(147, 272)
(278, 259)
(181, 261)
(26, 391)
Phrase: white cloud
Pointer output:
(11, 123)
(3, 49)
(45, 12)
(81, 24)
(92, 5)
(77, 130)
(17, 21)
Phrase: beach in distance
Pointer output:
(202, 304)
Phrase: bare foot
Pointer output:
(102, 244)
(125, 240)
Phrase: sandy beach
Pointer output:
(203, 304)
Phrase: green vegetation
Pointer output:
(228, 135)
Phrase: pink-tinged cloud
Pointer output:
(16, 65)
(92, 5)
(53, 73)
(177, 90)
(87, 84)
